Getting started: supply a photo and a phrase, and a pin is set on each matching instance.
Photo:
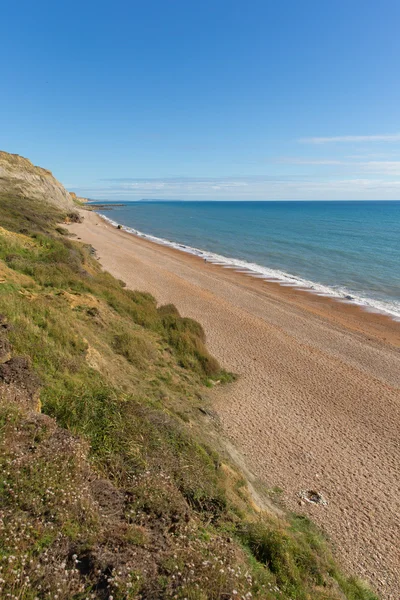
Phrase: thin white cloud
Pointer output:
(393, 137)
(383, 167)
(344, 188)
(311, 161)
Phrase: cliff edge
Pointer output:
(19, 177)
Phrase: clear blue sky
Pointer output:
(210, 99)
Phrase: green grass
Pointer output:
(117, 471)
(136, 348)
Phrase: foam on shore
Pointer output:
(391, 309)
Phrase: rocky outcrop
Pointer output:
(19, 177)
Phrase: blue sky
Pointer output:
(220, 99)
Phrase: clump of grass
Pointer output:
(135, 348)
(292, 562)
(297, 554)
(187, 337)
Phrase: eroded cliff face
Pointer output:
(19, 177)
(78, 199)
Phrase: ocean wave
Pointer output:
(342, 294)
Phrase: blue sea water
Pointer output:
(350, 250)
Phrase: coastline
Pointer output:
(340, 293)
(317, 404)
(353, 315)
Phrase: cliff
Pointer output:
(78, 199)
(19, 177)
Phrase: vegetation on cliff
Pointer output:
(110, 488)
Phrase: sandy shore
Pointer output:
(317, 404)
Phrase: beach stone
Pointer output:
(313, 497)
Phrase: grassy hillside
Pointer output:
(110, 488)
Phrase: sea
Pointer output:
(349, 250)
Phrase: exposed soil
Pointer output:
(19, 383)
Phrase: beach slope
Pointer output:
(317, 403)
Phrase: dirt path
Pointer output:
(317, 405)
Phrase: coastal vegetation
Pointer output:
(111, 485)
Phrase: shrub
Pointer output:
(134, 347)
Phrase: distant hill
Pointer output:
(19, 177)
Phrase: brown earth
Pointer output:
(317, 403)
